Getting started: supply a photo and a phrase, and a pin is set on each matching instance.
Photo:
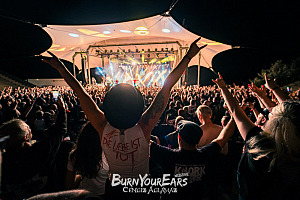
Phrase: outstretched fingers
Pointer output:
(254, 86)
(220, 76)
(54, 56)
(203, 46)
(197, 40)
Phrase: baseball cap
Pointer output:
(123, 106)
(189, 131)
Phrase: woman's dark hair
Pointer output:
(123, 106)
(87, 152)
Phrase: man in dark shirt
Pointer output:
(164, 129)
(172, 138)
(188, 161)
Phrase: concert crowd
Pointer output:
(216, 142)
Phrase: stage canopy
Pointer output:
(153, 33)
(132, 46)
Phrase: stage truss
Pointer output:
(132, 63)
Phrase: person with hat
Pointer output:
(123, 127)
(188, 161)
(270, 164)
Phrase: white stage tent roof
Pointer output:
(149, 33)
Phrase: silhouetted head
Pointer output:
(123, 106)
(190, 132)
(19, 134)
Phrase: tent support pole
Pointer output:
(73, 60)
(198, 77)
(88, 67)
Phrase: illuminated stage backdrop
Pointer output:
(135, 72)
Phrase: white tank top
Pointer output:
(127, 154)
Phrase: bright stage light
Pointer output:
(152, 61)
(141, 30)
(165, 30)
(73, 35)
(106, 32)
(101, 35)
(144, 74)
(87, 31)
(100, 70)
(54, 45)
(125, 31)
(211, 43)
(61, 49)
(147, 76)
(152, 78)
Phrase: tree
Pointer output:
(283, 73)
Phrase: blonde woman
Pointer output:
(270, 164)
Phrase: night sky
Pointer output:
(264, 30)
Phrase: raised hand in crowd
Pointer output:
(260, 92)
(61, 103)
(270, 83)
(94, 114)
(29, 108)
(54, 62)
(153, 113)
(257, 115)
(262, 95)
(243, 123)
(279, 94)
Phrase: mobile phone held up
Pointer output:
(55, 95)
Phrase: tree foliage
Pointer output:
(283, 73)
